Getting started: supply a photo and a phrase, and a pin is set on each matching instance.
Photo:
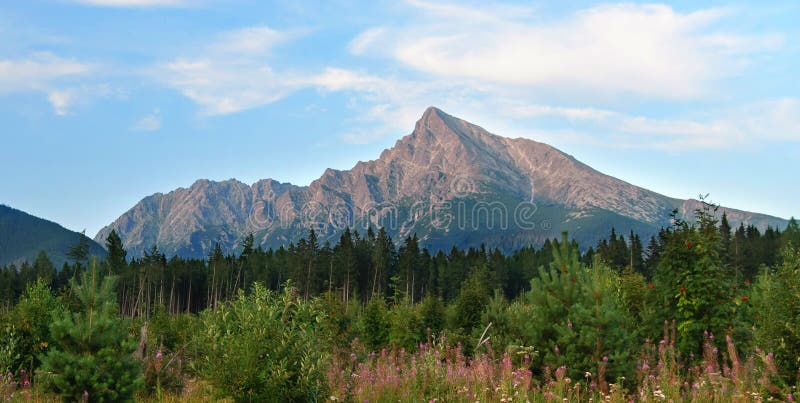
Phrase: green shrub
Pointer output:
(776, 307)
(374, 324)
(31, 319)
(266, 346)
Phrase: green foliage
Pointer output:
(469, 304)
(432, 315)
(265, 346)
(116, 259)
(375, 323)
(697, 287)
(776, 306)
(578, 319)
(91, 355)
(9, 349)
(32, 318)
(406, 330)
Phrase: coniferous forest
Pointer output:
(701, 311)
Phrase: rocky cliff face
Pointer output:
(449, 181)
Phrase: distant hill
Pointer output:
(451, 182)
(22, 236)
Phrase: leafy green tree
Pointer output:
(696, 286)
(266, 346)
(32, 317)
(406, 329)
(776, 306)
(91, 355)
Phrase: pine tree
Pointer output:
(116, 259)
(726, 238)
(792, 234)
(79, 253)
(578, 319)
(91, 357)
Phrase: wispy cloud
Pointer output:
(774, 120)
(232, 73)
(608, 50)
(148, 123)
(53, 76)
(132, 3)
(38, 71)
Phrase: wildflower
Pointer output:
(682, 289)
(734, 286)
(159, 355)
(745, 298)
(557, 350)
(688, 244)
(605, 359)
(789, 398)
(26, 384)
(23, 372)
(747, 281)
(85, 394)
(569, 324)
(650, 286)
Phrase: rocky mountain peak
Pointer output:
(443, 160)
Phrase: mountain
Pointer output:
(23, 236)
(449, 181)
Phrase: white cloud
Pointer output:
(232, 73)
(65, 99)
(609, 50)
(559, 111)
(775, 120)
(226, 86)
(148, 123)
(51, 75)
(60, 100)
(132, 3)
(251, 40)
(39, 72)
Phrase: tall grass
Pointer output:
(437, 372)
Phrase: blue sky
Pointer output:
(104, 102)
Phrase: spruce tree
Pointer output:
(116, 259)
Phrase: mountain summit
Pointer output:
(451, 182)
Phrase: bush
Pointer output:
(31, 319)
(776, 304)
(266, 346)
(375, 323)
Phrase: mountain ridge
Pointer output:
(488, 181)
(23, 236)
